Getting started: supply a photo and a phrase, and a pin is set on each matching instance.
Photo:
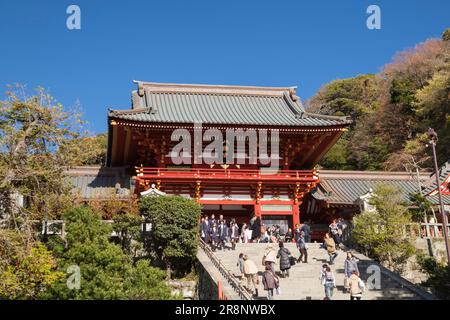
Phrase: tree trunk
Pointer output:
(427, 227)
(169, 271)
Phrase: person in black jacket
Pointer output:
(288, 236)
(205, 229)
(215, 237)
(213, 219)
(256, 229)
(233, 234)
(223, 234)
(306, 229)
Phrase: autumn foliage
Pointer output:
(392, 111)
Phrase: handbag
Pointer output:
(278, 290)
(292, 260)
(346, 282)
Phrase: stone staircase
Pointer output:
(304, 284)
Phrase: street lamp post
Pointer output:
(433, 140)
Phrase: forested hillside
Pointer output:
(392, 110)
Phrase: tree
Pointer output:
(446, 35)
(29, 276)
(128, 230)
(353, 97)
(32, 130)
(174, 231)
(438, 276)
(391, 110)
(432, 107)
(423, 207)
(146, 283)
(86, 151)
(337, 157)
(114, 205)
(381, 232)
(106, 271)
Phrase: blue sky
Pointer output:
(243, 42)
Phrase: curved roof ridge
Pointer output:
(127, 111)
(212, 88)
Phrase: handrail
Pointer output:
(144, 169)
(236, 285)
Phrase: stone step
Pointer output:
(304, 283)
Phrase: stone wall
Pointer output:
(431, 247)
(207, 288)
(187, 289)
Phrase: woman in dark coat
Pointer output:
(285, 264)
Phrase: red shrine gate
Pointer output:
(140, 138)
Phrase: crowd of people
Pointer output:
(222, 235)
(353, 284)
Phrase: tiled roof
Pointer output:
(209, 104)
(345, 187)
(444, 173)
(100, 182)
(434, 199)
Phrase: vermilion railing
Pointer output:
(226, 174)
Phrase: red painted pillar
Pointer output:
(295, 214)
(219, 290)
(257, 210)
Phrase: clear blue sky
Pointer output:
(274, 43)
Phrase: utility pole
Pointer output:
(433, 140)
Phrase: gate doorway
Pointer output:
(241, 213)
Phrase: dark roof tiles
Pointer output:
(171, 103)
(345, 187)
